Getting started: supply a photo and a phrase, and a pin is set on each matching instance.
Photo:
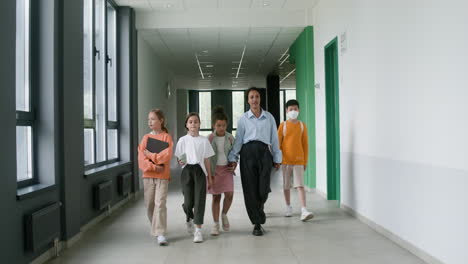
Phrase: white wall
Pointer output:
(152, 79)
(403, 92)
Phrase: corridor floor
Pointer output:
(331, 237)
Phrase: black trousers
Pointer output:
(193, 181)
(256, 163)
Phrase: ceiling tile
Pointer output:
(235, 3)
(201, 3)
(268, 3)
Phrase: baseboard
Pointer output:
(62, 245)
(428, 258)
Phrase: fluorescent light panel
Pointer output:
(240, 63)
(199, 67)
(285, 77)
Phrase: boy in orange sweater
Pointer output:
(293, 142)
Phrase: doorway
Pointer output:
(332, 120)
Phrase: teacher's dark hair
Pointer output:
(252, 89)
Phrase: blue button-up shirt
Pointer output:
(251, 128)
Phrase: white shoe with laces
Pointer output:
(190, 227)
(306, 215)
(197, 237)
(288, 212)
(162, 241)
(225, 222)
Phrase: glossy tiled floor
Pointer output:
(331, 237)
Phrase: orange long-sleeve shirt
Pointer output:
(148, 166)
(295, 145)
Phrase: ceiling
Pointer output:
(178, 5)
(222, 56)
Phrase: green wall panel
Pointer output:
(302, 55)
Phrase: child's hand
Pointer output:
(159, 168)
(212, 180)
(147, 153)
(181, 163)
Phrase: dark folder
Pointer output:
(155, 145)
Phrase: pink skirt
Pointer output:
(223, 181)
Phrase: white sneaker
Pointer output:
(197, 237)
(288, 212)
(225, 222)
(162, 241)
(215, 230)
(306, 215)
(190, 227)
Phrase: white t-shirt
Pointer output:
(222, 159)
(196, 150)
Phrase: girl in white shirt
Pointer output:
(193, 152)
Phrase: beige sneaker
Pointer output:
(225, 222)
(306, 215)
(215, 230)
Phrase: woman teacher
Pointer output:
(257, 143)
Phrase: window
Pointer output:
(285, 96)
(101, 130)
(24, 104)
(205, 113)
(238, 98)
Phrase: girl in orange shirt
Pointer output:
(156, 174)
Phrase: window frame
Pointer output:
(28, 118)
(92, 123)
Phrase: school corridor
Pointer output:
(381, 88)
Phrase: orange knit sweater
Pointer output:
(148, 166)
(295, 145)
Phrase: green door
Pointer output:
(333, 121)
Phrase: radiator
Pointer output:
(42, 226)
(102, 195)
(124, 183)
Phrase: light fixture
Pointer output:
(284, 60)
(168, 6)
(284, 54)
(285, 77)
(266, 4)
(199, 67)
(240, 63)
(209, 66)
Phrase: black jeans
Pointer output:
(193, 181)
(256, 163)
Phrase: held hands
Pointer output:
(232, 166)
(277, 165)
(210, 181)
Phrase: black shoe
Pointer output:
(258, 230)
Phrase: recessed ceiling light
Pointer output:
(205, 51)
(266, 4)
(209, 66)
(168, 6)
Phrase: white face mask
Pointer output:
(293, 114)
